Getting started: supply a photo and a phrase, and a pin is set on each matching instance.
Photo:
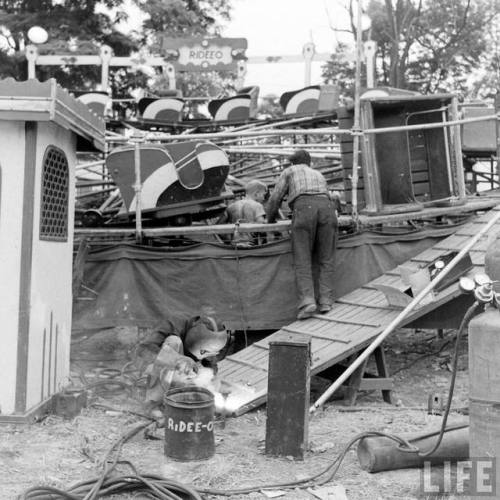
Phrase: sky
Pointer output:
(282, 27)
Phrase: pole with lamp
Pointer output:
(37, 36)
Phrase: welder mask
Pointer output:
(205, 339)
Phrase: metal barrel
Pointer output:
(189, 424)
(484, 394)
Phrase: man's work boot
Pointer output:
(306, 311)
(324, 308)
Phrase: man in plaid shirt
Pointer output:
(314, 230)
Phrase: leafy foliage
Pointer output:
(269, 107)
(450, 38)
(432, 45)
(340, 71)
(78, 24)
(70, 22)
(185, 18)
(487, 84)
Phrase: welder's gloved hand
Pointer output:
(186, 366)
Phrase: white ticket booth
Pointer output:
(40, 125)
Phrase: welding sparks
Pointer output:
(228, 397)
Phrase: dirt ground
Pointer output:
(60, 452)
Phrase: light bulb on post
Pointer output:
(37, 35)
(366, 23)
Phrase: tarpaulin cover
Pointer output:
(248, 288)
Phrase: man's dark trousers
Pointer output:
(314, 233)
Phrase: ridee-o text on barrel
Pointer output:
(189, 424)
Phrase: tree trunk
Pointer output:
(394, 46)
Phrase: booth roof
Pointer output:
(33, 100)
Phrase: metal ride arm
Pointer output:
(403, 314)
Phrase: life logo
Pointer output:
(476, 477)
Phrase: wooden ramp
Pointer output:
(354, 321)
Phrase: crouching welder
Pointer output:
(181, 346)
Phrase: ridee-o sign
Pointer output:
(199, 56)
(204, 54)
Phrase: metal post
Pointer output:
(137, 139)
(31, 56)
(170, 70)
(370, 48)
(308, 52)
(105, 53)
(447, 152)
(497, 111)
(356, 126)
(457, 150)
(242, 73)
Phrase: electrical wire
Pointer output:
(105, 484)
(419, 358)
(323, 476)
(465, 321)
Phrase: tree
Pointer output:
(487, 83)
(429, 45)
(340, 70)
(393, 28)
(79, 24)
(450, 38)
(66, 21)
(185, 18)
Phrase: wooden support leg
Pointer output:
(381, 381)
(351, 391)
(383, 372)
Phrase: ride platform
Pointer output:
(360, 316)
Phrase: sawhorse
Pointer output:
(362, 381)
(381, 381)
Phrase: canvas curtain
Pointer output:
(248, 288)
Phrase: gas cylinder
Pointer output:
(492, 259)
(484, 389)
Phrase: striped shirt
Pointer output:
(293, 182)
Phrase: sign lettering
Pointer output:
(182, 426)
(204, 54)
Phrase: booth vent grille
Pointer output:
(54, 198)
